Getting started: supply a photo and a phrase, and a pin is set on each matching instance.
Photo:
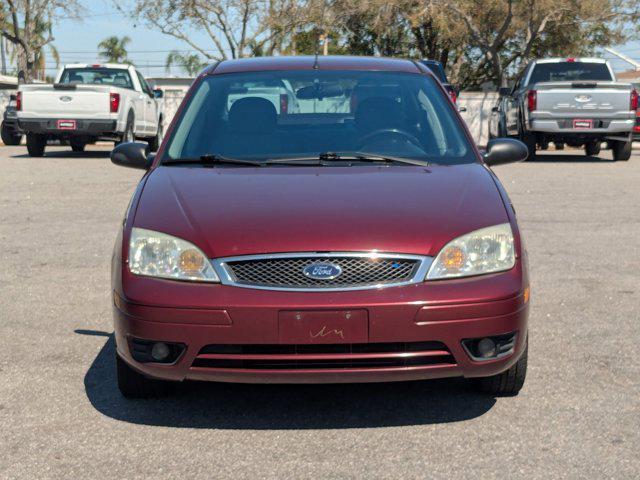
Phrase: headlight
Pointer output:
(486, 250)
(156, 254)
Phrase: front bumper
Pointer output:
(83, 127)
(251, 318)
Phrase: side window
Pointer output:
(144, 85)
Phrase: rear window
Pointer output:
(569, 71)
(267, 115)
(97, 76)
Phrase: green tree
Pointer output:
(114, 49)
(27, 25)
(191, 64)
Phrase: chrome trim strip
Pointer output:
(226, 276)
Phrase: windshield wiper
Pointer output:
(326, 158)
(213, 159)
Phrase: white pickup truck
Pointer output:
(573, 101)
(89, 103)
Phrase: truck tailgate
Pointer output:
(78, 101)
(583, 99)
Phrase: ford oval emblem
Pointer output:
(65, 98)
(322, 271)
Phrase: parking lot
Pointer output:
(62, 416)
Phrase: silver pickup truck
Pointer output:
(573, 101)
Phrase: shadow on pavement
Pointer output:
(259, 407)
(578, 158)
(69, 154)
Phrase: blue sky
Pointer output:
(77, 41)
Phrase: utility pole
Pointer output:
(2, 54)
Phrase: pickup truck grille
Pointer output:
(291, 271)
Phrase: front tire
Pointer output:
(135, 385)
(621, 150)
(77, 146)
(36, 144)
(529, 139)
(507, 383)
(592, 149)
(9, 137)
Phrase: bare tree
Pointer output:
(235, 28)
(506, 32)
(27, 25)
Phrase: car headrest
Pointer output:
(375, 113)
(252, 115)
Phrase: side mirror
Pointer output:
(157, 93)
(505, 150)
(504, 91)
(132, 155)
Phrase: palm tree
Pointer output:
(114, 49)
(191, 64)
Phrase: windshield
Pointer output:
(97, 76)
(569, 71)
(267, 115)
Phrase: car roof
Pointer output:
(258, 64)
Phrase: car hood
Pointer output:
(246, 210)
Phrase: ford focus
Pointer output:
(319, 220)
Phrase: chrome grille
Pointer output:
(286, 271)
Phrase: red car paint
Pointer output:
(231, 212)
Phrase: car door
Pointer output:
(149, 114)
(511, 108)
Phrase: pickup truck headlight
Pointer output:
(483, 251)
(156, 254)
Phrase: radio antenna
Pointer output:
(322, 35)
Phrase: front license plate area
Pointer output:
(580, 123)
(323, 326)
(66, 124)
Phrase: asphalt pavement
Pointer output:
(61, 415)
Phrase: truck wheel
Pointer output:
(135, 385)
(129, 134)
(544, 144)
(529, 139)
(621, 150)
(155, 142)
(36, 144)
(77, 146)
(507, 383)
(9, 137)
(592, 148)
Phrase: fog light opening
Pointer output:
(145, 351)
(486, 348)
(490, 348)
(160, 351)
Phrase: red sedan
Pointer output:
(319, 220)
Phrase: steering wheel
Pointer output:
(390, 132)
